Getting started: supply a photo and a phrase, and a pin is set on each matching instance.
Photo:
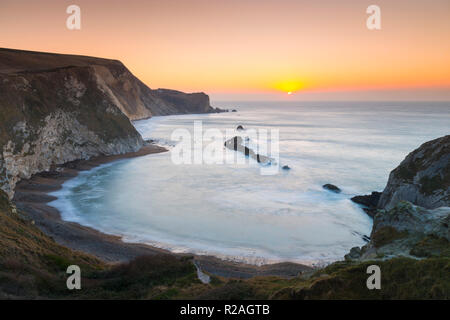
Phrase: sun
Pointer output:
(289, 86)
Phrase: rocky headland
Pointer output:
(412, 214)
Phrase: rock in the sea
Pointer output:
(286, 168)
(423, 178)
(236, 144)
(239, 127)
(331, 187)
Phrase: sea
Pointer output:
(238, 210)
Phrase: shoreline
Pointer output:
(32, 197)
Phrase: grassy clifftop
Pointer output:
(31, 263)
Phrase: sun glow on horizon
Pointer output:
(312, 49)
(289, 86)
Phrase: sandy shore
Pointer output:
(32, 197)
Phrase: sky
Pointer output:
(253, 49)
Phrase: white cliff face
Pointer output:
(55, 116)
(61, 139)
(58, 108)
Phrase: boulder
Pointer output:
(332, 188)
(236, 144)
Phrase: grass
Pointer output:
(401, 278)
(431, 246)
(386, 235)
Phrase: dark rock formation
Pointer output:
(236, 144)
(370, 202)
(423, 178)
(331, 187)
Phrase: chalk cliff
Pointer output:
(58, 108)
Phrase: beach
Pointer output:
(32, 197)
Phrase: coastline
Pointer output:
(32, 197)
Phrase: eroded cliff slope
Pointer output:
(130, 95)
(58, 108)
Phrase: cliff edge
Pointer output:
(57, 108)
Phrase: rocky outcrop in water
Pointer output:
(332, 188)
(369, 201)
(423, 178)
(237, 144)
(59, 108)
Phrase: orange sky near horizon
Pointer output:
(248, 48)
